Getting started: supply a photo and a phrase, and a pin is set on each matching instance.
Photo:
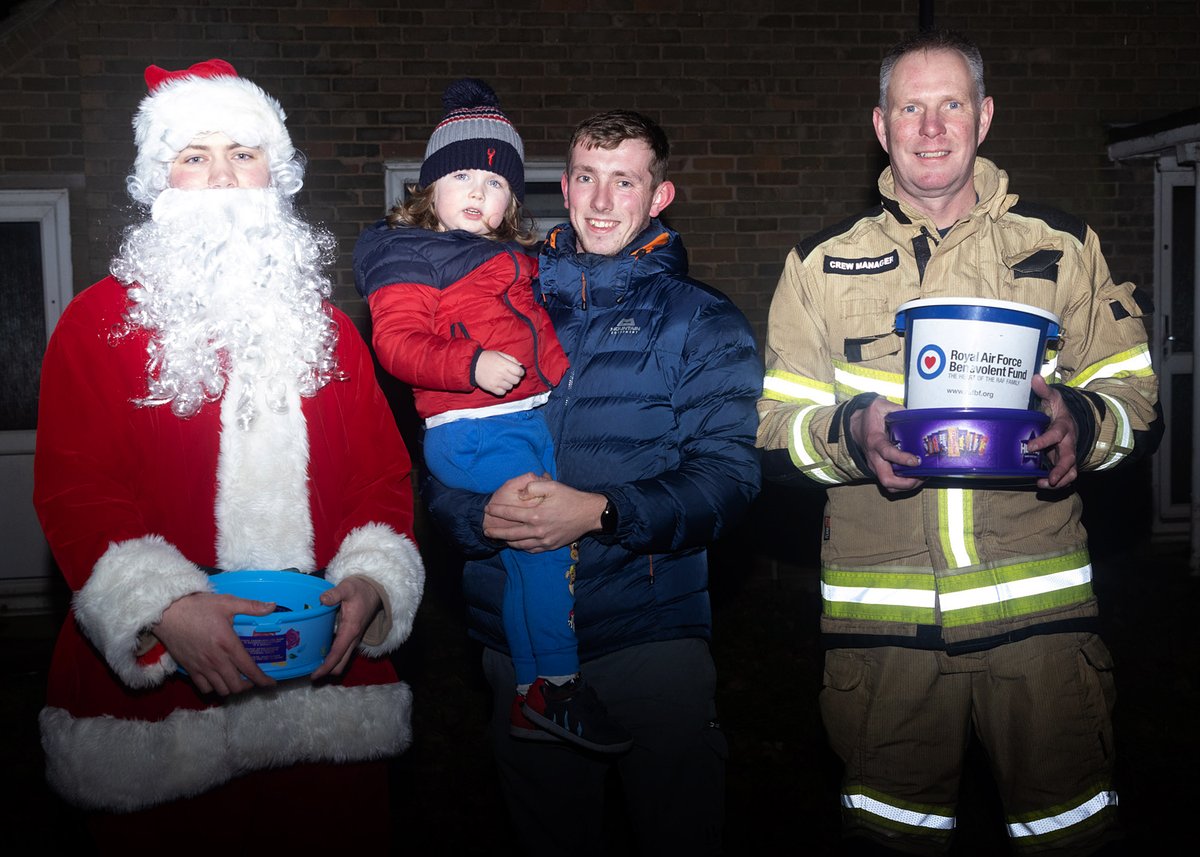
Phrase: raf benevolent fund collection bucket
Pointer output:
(969, 367)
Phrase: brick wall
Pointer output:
(768, 107)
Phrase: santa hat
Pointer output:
(474, 135)
(204, 99)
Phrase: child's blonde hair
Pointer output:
(418, 210)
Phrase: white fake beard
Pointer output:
(229, 283)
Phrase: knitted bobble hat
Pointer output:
(474, 135)
(203, 99)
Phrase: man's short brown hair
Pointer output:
(933, 40)
(611, 129)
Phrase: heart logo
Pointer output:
(930, 362)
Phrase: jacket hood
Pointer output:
(408, 254)
(566, 273)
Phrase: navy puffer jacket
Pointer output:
(657, 411)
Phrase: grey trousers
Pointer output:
(673, 780)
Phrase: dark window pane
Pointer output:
(1181, 439)
(1183, 266)
(22, 324)
(544, 200)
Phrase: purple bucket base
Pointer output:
(969, 443)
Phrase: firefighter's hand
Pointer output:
(1059, 438)
(869, 432)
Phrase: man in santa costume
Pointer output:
(205, 408)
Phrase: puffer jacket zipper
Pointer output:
(526, 320)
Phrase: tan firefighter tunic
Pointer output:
(979, 566)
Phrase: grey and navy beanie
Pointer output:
(474, 135)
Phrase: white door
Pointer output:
(35, 286)
(1174, 335)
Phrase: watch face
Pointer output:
(608, 518)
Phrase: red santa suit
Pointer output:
(134, 500)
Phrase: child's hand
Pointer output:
(497, 372)
(525, 494)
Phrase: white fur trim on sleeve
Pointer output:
(390, 560)
(131, 585)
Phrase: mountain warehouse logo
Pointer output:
(834, 265)
(625, 325)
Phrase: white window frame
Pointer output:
(51, 209)
(1169, 518)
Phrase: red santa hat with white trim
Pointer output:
(206, 98)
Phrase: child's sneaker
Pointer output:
(520, 726)
(573, 712)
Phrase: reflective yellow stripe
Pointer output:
(956, 526)
(1014, 590)
(1122, 443)
(963, 599)
(879, 595)
(1010, 591)
(1054, 823)
(1132, 361)
(804, 455)
(850, 379)
(786, 387)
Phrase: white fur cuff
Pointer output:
(130, 587)
(125, 765)
(378, 552)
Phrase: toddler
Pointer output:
(450, 286)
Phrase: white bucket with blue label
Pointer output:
(973, 352)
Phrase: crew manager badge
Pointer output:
(875, 265)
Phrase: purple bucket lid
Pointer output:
(971, 443)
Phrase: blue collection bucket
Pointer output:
(292, 641)
(973, 352)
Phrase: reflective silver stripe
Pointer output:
(895, 813)
(955, 528)
(1137, 363)
(879, 595)
(1124, 437)
(869, 384)
(1064, 820)
(1016, 589)
(811, 464)
(795, 388)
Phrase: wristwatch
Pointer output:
(608, 518)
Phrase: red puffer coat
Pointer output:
(439, 299)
